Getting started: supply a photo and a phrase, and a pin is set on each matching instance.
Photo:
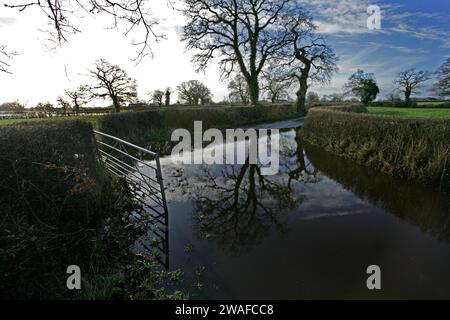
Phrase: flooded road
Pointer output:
(310, 231)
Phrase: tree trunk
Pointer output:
(274, 98)
(116, 103)
(253, 88)
(301, 95)
(408, 97)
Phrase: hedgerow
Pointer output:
(153, 129)
(408, 148)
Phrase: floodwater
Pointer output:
(309, 232)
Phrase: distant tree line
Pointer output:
(266, 49)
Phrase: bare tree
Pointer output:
(276, 83)
(194, 92)
(63, 103)
(317, 60)
(5, 56)
(78, 97)
(14, 106)
(312, 98)
(442, 86)
(113, 83)
(410, 81)
(244, 34)
(238, 89)
(157, 97)
(64, 17)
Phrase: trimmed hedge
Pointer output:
(416, 149)
(353, 108)
(153, 129)
(54, 196)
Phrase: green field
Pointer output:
(410, 112)
(92, 119)
(431, 103)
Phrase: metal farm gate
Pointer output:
(141, 169)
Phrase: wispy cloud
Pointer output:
(425, 33)
(339, 16)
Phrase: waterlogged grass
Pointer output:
(410, 112)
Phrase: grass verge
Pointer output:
(410, 112)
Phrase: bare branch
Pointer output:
(63, 15)
(5, 56)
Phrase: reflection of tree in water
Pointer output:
(304, 170)
(238, 207)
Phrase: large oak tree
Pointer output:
(194, 92)
(78, 96)
(410, 81)
(314, 61)
(243, 35)
(113, 83)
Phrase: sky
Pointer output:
(414, 33)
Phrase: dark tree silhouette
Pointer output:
(157, 97)
(194, 92)
(238, 88)
(362, 85)
(317, 60)
(64, 17)
(410, 81)
(442, 86)
(244, 35)
(113, 83)
(167, 96)
(78, 97)
(63, 103)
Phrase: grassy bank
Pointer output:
(408, 148)
(410, 112)
(60, 208)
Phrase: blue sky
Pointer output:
(414, 33)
